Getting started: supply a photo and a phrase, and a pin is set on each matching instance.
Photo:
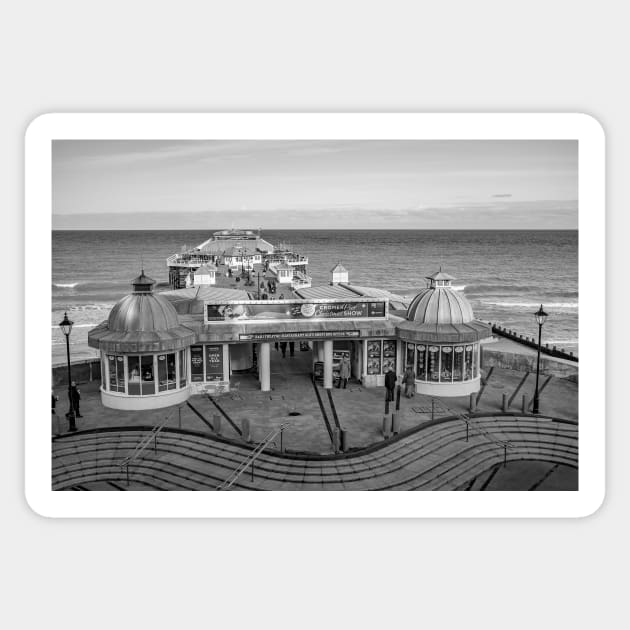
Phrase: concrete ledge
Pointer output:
(116, 400)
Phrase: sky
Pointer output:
(315, 184)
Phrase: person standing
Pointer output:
(390, 384)
(291, 348)
(344, 372)
(283, 348)
(55, 418)
(409, 380)
(75, 396)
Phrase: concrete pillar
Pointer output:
(335, 440)
(328, 364)
(216, 423)
(524, 404)
(504, 403)
(473, 402)
(265, 368)
(320, 351)
(400, 366)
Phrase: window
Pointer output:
(148, 379)
(447, 364)
(433, 364)
(166, 372)
(468, 363)
(458, 363)
(116, 366)
(389, 356)
(133, 388)
(182, 368)
(421, 365)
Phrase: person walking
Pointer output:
(344, 372)
(75, 396)
(291, 348)
(390, 384)
(409, 381)
(283, 348)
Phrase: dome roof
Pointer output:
(142, 312)
(439, 304)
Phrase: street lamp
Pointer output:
(66, 329)
(540, 317)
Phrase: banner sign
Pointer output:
(315, 334)
(291, 310)
(196, 363)
(214, 363)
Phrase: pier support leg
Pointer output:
(328, 364)
(265, 370)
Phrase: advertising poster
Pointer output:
(196, 363)
(214, 363)
(292, 310)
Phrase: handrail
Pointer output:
(251, 458)
(144, 443)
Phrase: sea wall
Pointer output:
(527, 363)
(82, 372)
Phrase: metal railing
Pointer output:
(142, 445)
(251, 458)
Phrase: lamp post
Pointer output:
(540, 317)
(66, 328)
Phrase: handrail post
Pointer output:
(504, 455)
(466, 430)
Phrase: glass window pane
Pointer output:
(133, 367)
(170, 371)
(161, 372)
(421, 365)
(447, 364)
(433, 373)
(389, 356)
(146, 369)
(468, 362)
(111, 381)
(182, 368)
(458, 363)
(374, 357)
(475, 359)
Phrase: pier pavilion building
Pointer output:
(158, 349)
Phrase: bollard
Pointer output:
(344, 440)
(246, 430)
(335, 439)
(395, 423)
(524, 406)
(397, 397)
(386, 426)
(473, 402)
(504, 404)
(216, 423)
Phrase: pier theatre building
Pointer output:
(157, 349)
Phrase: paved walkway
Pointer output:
(359, 410)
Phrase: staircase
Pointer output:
(435, 456)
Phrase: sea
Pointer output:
(505, 274)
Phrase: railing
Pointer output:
(504, 444)
(152, 436)
(251, 458)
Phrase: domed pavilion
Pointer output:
(143, 351)
(440, 339)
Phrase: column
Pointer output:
(226, 362)
(328, 364)
(365, 360)
(263, 362)
(400, 365)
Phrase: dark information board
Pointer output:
(196, 363)
(313, 334)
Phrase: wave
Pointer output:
(69, 285)
(501, 288)
(458, 287)
(102, 306)
(548, 305)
